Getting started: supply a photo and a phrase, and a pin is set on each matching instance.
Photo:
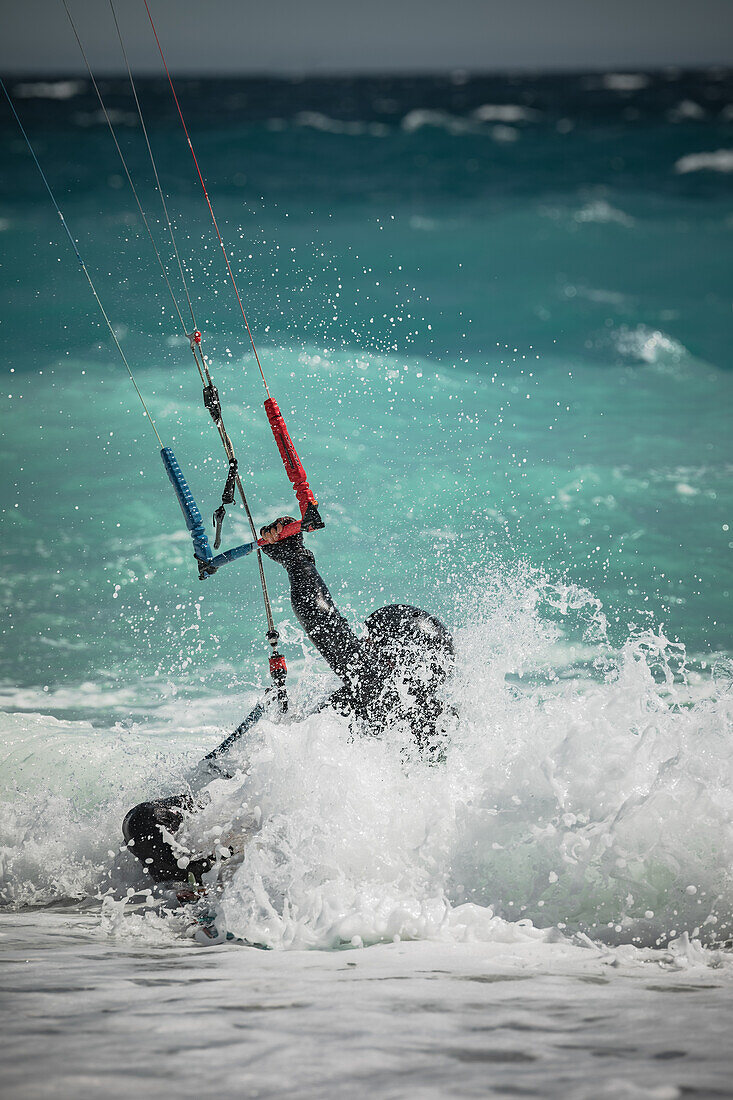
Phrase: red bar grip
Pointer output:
(287, 531)
(289, 455)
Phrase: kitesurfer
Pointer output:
(391, 678)
(394, 674)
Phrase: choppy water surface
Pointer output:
(496, 314)
(522, 1016)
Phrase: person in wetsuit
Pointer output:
(393, 674)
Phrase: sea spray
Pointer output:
(578, 801)
(590, 795)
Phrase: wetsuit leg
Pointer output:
(144, 828)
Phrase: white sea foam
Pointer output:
(719, 161)
(520, 1012)
(441, 120)
(606, 297)
(602, 212)
(598, 211)
(566, 799)
(651, 346)
(317, 121)
(685, 111)
(505, 112)
(475, 124)
(44, 89)
(504, 134)
(549, 806)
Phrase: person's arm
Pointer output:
(316, 611)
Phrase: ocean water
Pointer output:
(496, 313)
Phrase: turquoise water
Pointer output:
(496, 315)
(550, 291)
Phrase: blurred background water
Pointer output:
(496, 311)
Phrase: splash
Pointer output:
(566, 800)
(651, 346)
(586, 790)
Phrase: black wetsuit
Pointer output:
(363, 687)
(368, 694)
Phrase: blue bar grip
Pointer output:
(233, 554)
(191, 514)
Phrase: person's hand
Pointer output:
(285, 551)
(272, 531)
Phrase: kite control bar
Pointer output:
(208, 562)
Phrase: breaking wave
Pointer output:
(719, 161)
(587, 790)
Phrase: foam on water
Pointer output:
(719, 161)
(49, 89)
(564, 800)
(585, 746)
(575, 795)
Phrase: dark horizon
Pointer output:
(286, 37)
(455, 75)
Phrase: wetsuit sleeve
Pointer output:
(323, 623)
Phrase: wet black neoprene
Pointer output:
(368, 693)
